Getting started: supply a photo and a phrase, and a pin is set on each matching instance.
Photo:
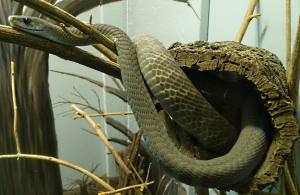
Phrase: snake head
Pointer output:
(35, 26)
(27, 23)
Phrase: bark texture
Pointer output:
(266, 72)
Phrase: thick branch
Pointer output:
(62, 16)
(7, 34)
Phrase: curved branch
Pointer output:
(79, 6)
(7, 34)
(62, 16)
(61, 162)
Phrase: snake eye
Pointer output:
(27, 20)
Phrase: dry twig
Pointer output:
(103, 138)
(288, 32)
(15, 107)
(293, 70)
(112, 114)
(118, 92)
(247, 19)
(127, 188)
(289, 180)
(61, 162)
(43, 157)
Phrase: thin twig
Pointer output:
(119, 141)
(290, 164)
(147, 175)
(90, 132)
(289, 180)
(255, 15)
(112, 114)
(293, 70)
(15, 107)
(288, 31)
(110, 121)
(78, 94)
(114, 91)
(103, 138)
(247, 19)
(148, 172)
(191, 6)
(61, 162)
(120, 127)
(126, 188)
(293, 86)
(136, 173)
(117, 83)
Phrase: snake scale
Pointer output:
(145, 59)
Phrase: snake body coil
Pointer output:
(233, 167)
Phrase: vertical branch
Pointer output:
(289, 181)
(293, 68)
(248, 17)
(288, 31)
(15, 131)
(292, 63)
(293, 85)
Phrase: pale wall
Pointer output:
(169, 21)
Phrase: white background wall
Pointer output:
(169, 21)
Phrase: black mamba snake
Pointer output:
(242, 151)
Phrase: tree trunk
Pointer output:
(35, 118)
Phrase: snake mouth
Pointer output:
(27, 29)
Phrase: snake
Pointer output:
(149, 72)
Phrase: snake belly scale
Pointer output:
(229, 169)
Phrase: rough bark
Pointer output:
(267, 73)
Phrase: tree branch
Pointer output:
(61, 162)
(247, 19)
(62, 16)
(15, 107)
(293, 70)
(103, 138)
(7, 34)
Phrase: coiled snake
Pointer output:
(244, 149)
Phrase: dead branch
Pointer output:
(114, 91)
(127, 188)
(103, 138)
(15, 107)
(7, 34)
(247, 19)
(293, 70)
(61, 162)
